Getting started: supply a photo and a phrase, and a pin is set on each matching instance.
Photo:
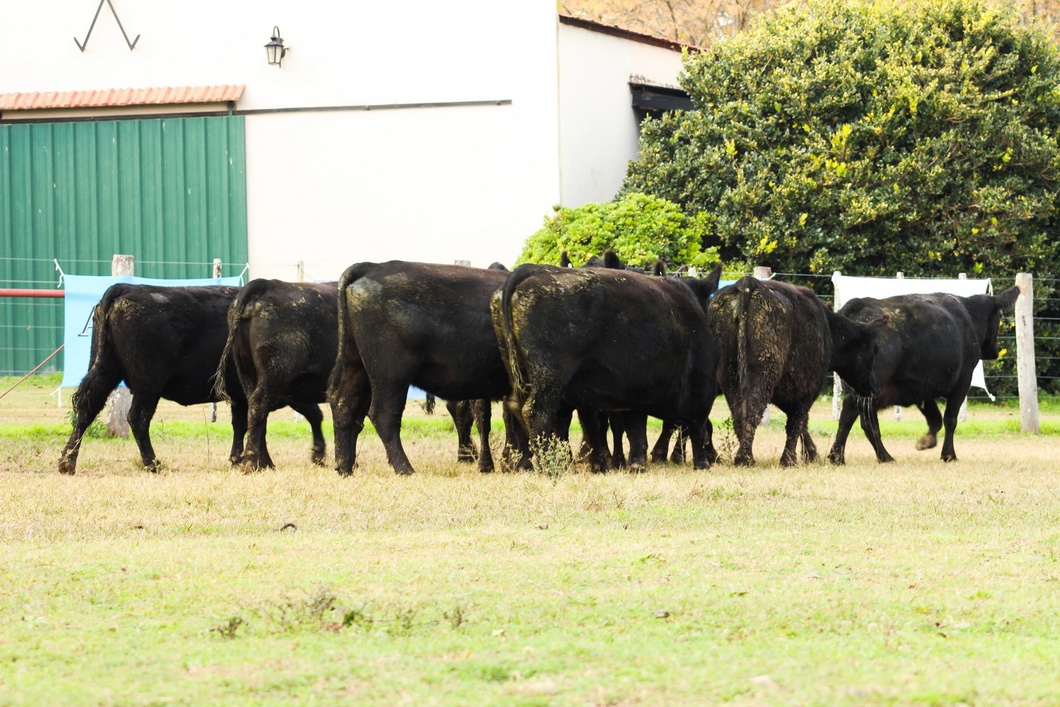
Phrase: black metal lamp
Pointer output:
(275, 49)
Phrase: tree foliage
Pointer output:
(869, 137)
(701, 22)
(640, 228)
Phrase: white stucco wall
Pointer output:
(598, 129)
(333, 188)
(328, 189)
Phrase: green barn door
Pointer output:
(171, 192)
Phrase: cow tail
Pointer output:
(236, 314)
(100, 335)
(520, 388)
(744, 289)
(349, 276)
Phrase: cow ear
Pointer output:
(1007, 299)
(879, 323)
(714, 278)
(660, 268)
(564, 260)
(612, 261)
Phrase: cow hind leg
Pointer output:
(388, 406)
(636, 429)
(870, 425)
(949, 420)
(141, 411)
(516, 455)
(662, 444)
(258, 408)
(350, 398)
(539, 412)
(315, 417)
(88, 401)
(483, 415)
(809, 449)
(617, 422)
(239, 412)
(463, 419)
(678, 455)
(745, 416)
(847, 414)
(794, 431)
(594, 428)
(930, 410)
(703, 453)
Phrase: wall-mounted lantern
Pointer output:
(276, 48)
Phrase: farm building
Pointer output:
(437, 132)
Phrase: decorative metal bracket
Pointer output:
(93, 25)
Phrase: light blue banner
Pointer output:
(83, 293)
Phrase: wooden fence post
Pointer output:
(120, 399)
(1025, 368)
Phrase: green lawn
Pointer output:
(913, 583)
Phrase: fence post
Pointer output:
(761, 272)
(1025, 368)
(120, 399)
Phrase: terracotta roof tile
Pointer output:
(40, 100)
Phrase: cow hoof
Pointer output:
(837, 458)
(465, 458)
(152, 467)
(885, 459)
(926, 442)
(66, 466)
(637, 469)
(949, 457)
(744, 461)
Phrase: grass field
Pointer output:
(913, 583)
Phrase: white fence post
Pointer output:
(120, 399)
(1025, 368)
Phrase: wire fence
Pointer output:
(30, 330)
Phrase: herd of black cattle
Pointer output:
(614, 344)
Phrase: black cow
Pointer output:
(419, 324)
(615, 421)
(928, 350)
(282, 339)
(776, 342)
(164, 342)
(608, 340)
